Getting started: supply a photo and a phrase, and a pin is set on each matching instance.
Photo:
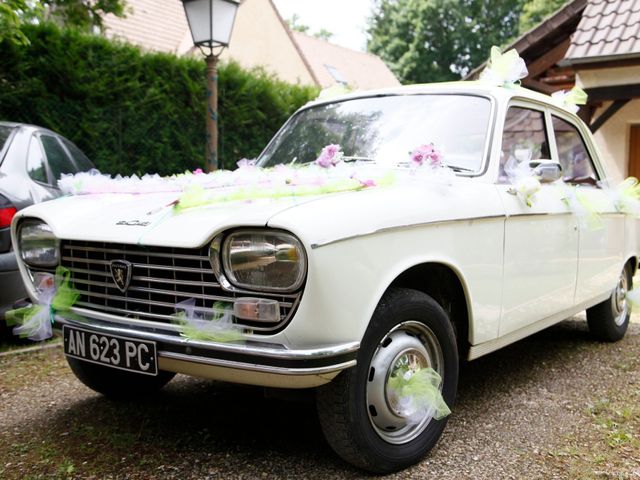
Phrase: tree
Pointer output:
(534, 11)
(83, 14)
(296, 26)
(439, 40)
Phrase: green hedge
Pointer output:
(135, 112)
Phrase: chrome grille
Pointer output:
(161, 278)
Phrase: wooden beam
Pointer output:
(608, 113)
(549, 59)
(617, 92)
(538, 86)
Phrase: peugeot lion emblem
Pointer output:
(121, 274)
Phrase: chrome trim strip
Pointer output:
(140, 265)
(96, 307)
(274, 351)
(256, 368)
(401, 227)
(180, 256)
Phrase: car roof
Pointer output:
(25, 125)
(477, 87)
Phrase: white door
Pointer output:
(541, 240)
(602, 237)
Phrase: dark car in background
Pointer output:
(31, 162)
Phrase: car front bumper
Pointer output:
(250, 362)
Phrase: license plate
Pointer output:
(113, 351)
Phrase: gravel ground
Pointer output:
(555, 405)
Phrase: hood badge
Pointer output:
(121, 274)
(133, 223)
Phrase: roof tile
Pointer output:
(607, 28)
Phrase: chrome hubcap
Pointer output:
(405, 350)
(620, 305)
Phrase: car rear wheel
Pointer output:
(361, 416)
(115, 383)
(608, 321)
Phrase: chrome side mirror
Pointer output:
(547, 171)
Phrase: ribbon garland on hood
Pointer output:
(55, 294)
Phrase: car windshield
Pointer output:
(386, 129)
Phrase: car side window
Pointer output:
(36, 167)
(524, 138)
(577, 165)
(59, 162)
(82, 162)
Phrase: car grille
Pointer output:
(161, 278)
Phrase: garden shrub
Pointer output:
(136, 112)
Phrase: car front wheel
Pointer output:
(362, 416)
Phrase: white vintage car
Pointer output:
(343, 291)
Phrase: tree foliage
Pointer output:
(83, 14)
(135, 112)
(534, 11)
(438, 40)
(295, 25)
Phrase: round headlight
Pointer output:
(269, 261)
(38, 246)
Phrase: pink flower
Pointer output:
(330, 156)
(198, 171)
(367, 183)
(427, 153)
(245, 162)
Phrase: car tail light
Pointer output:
(7, 211)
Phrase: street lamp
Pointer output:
(211, 23)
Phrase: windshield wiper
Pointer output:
(357, 159)
(456, 168)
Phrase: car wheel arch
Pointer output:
(446, 285)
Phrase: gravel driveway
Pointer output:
(555, 405)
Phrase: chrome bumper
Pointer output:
(251, 362)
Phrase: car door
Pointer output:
(540, 240)
(601, 239)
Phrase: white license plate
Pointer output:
(113, 351)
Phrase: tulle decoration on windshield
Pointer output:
(570, 99)
(212, 325)
(55, 294)
(417, 394)
(504, 69)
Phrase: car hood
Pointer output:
(149, 219)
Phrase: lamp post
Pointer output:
(211, 23)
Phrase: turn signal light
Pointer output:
(257, 309)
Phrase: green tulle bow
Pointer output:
(420, 389)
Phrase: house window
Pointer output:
(335, 73)
(634, 151)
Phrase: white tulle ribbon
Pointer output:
(570, 99)
(504, 69)
(214, 324)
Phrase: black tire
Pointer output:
(117, 384)
(608, 321)
(348, 421)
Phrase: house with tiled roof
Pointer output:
(160, 25)
(594, 44)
